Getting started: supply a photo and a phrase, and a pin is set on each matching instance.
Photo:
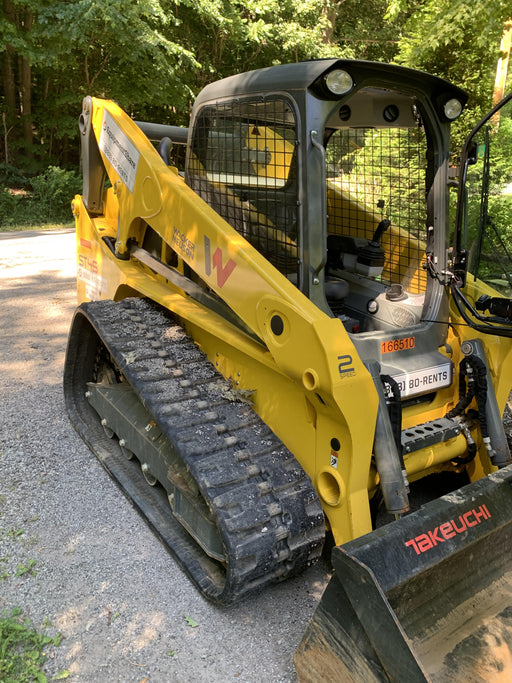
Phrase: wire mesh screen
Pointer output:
(380, 173)
(243, 163)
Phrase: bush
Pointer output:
(10, 176)
(53, 191)
(47, 200)
(15, 208)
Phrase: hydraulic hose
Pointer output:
(475, 382)
(472, 383)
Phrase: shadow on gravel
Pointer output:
(36, 314)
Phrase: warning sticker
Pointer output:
(119, 150)
(95, 285)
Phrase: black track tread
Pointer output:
(267, 511)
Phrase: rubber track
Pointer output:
(265, 507)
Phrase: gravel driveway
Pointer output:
(96, 573)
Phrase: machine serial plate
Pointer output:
(422, 381)
(397, 344)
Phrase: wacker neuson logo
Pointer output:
(449, 529)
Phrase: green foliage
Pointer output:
(14, 533)
(53, 191)
(48, 199)
(12, 208)
(10, 176)
(256, 34)
(502, 157)
(459, 41)
(369, 30)
(22, 649)
(153, 57)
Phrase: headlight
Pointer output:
(339, 82)
(452, 109)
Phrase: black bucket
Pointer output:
(426, 598)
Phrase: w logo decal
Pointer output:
(215, 262)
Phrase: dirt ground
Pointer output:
(74, 554)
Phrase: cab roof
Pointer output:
(304, 75)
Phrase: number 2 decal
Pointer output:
(345, 367)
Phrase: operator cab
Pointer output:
(337, 171)
(331, 169)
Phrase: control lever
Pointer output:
(381, 229)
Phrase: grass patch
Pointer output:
(22, 653)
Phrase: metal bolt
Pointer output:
(467, 348)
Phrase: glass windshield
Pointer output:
(486, 225)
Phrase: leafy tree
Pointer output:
(462, 45)
(366, 30)
(148, 55)
(257, 33)
(56, 52)
(153, 56)
(15, 36)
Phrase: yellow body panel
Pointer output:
(293, 378)
(279, 150)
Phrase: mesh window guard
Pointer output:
(380, 173)
(243, 163)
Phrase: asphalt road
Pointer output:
(74, 555)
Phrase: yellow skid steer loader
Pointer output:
(295, 324)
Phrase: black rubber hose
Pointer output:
(467, 458)
(474, 371)
(466, 389)
(481, 392)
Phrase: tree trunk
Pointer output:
(330, 11)
(26, 90)
(502, 69)
(9, 82)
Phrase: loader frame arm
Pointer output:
(306, 346)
